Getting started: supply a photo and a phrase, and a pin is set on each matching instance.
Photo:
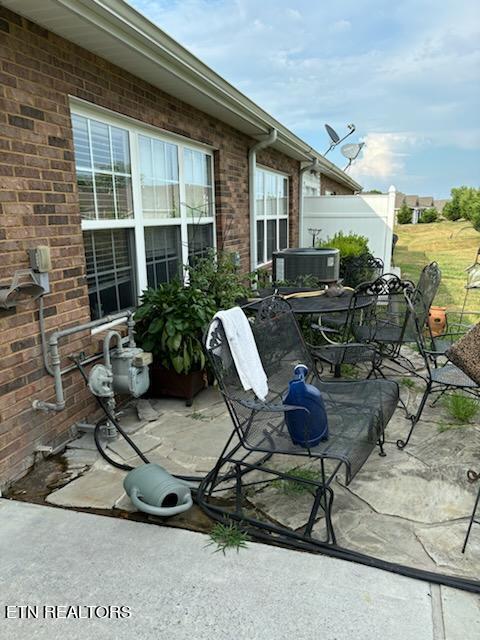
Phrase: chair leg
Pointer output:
(472, 520)
(401, 444)
(381, 442)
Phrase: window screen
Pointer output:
(110, 280)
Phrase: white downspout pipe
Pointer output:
(313, 165)
(252, 163)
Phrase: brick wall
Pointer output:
(328, 184)
(39, 205)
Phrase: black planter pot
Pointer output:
(167, 382)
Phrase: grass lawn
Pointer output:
(453, 249)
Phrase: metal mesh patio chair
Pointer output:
(358, 412)
(389, 324)
(439, 379)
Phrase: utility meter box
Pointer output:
(130, 371)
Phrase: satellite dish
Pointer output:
(334, 137)
(351, 152)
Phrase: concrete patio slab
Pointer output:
(461, 614)
(177, 588)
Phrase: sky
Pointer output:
(406, 73)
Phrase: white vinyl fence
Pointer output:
(370, 215)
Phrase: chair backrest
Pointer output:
(426, 290)
(280, 346)
(387, 305)
(377, 265)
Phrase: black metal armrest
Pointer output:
(258, 405)
(345, 353)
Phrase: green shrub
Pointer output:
(404, 215)
(354, 257)
(217, 276)
(429, 215)
(349, 245)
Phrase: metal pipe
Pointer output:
(252, 163)
(313, 165)
(54, 360)
(106, 346)
(109, 325)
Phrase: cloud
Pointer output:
(407, 67)
(384, 156)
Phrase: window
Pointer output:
(146, 202)
(271, 212)
(200, 239)
(103, 170)
(198, 184)
(163, 254)
(159, 178)
(110, 279)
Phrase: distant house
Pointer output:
(417, 204)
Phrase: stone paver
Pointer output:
(444, 542)
(98, 489)
(409, 507)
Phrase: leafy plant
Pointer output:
(349, 245)
(295, 487)
(349, 371)
(404, 215)
(407, 382)
(429, 215)
(461, 407)
(354, 257)
(217, 276)
(228, 536)
(170, 323)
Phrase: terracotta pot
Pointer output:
(167, 382)
(437, 320)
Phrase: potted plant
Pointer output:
(169, 323)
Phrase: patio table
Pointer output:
(321, 304)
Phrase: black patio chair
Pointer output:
(439, 379)
(358, 412)
(389, 324)
(340, 346)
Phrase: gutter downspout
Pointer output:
(313, 165)
(252, 163)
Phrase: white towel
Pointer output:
(243, 349)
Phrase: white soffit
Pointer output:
(115, 31)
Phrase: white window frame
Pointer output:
(139, 223)
(266, 217)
